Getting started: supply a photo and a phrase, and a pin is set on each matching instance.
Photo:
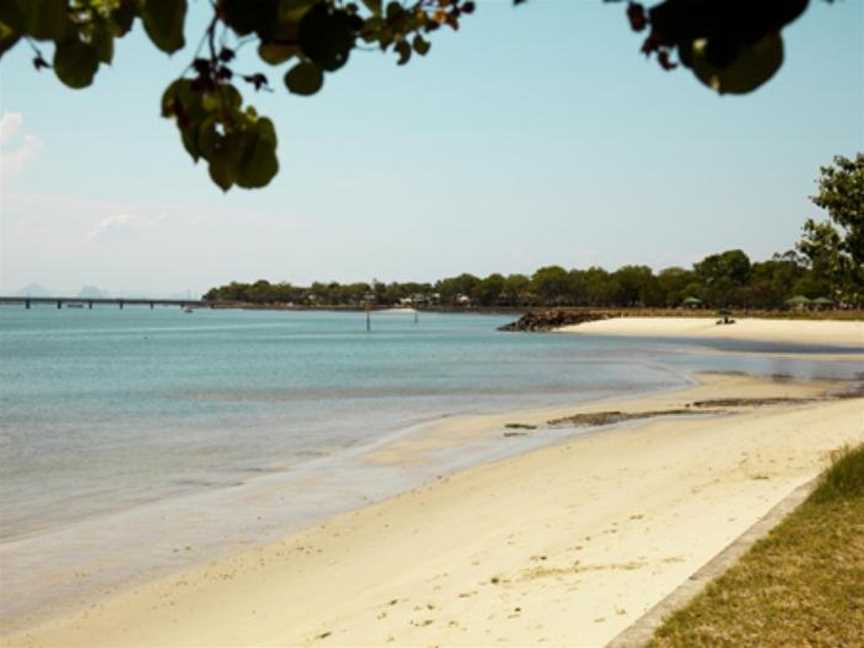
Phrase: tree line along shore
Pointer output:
(725, 280)
(825, 270)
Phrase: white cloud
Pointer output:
(124, 225)
(116, 224)
(10, 124)
(17, 148)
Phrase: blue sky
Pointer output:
(533, 136)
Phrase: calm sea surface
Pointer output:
(105, 412)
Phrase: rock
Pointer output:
(551, 319)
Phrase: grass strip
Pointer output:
(802, 585)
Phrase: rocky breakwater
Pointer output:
(551, 319)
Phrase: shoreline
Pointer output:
(855, 315)
(841, 334)
(179, 547)
(333, 587)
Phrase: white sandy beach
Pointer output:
(566, 545)
(808, 332)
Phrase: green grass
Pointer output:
(802, 585)
(844, 480)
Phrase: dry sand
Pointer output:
(813, 332)
(566, 545)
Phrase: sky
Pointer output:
(535, 135)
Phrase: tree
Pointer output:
(637, 286)
(841, 194)
(260, 292)
(600, 288)
(772, 281)
(488, 291)
(732, 46)
(517, 290)
(551, 284)
(450, 289)
(673, 283)
(833, 250)
(721, 274)
(830, 270)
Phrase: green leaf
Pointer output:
(259, 164)
(394, 10)
(225, 159)
(753, 65)
(421, 45)
(8, 38)
(224, 97)
(103, 42)
(327, 36)
(374, 6)
(75, 63)
(404, 50)
(122, 18)
(12, 16)
(164, 21)
(247, 16)
(293, 10)
(211, 101)
(208, 137)
(170, 97)
(276, 53)
(304, 79)
(46, 19)
(222, 172)
(266, 130)
(189, 137)
(180, 98)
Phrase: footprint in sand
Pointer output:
(422, 624)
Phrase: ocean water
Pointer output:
(151, 429)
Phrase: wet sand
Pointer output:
(567, 544)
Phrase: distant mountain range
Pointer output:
(34, 290)
(94, 292)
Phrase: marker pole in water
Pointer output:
(368, 321)
(416, 317)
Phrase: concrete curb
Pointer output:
(640, 632)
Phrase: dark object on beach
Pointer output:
(751, 402)
(508, 435)
(520, 426)
(551, 319)
(725, 316)
(854, 391)
(608, 418)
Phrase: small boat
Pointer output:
(188, 309)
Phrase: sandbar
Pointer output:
(834, 333)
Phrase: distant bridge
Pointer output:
(80, 302)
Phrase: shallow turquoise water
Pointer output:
(125, 434)
(105, 408)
